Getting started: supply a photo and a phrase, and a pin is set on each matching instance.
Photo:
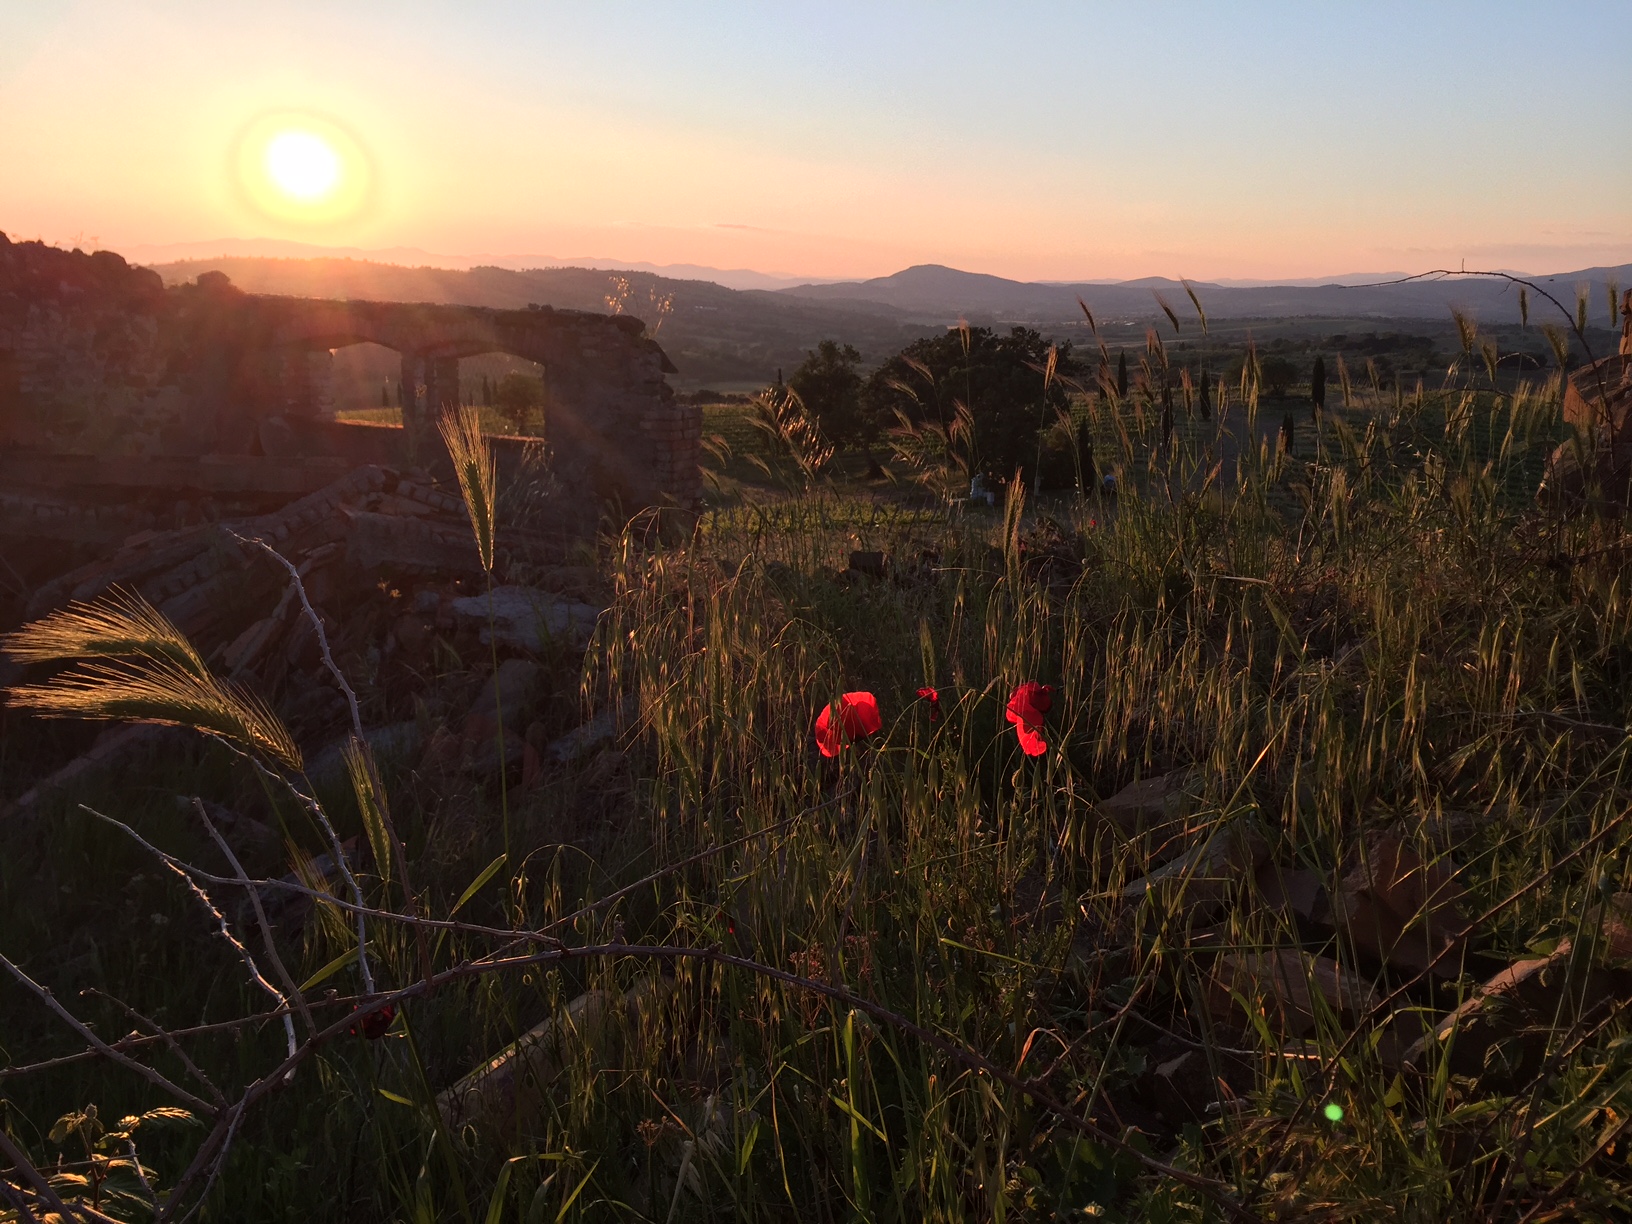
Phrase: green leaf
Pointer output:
(399, 1099)
(748, 1148)
(577, 1190)
(488, 873)
(1395, 1093)
(495, 1204)
(329, 970)
(540, 1203)
(856, 1115)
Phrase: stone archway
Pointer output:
(615, 426)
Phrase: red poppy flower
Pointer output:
(858, 718)
(374, 1025)
(1031, 701)
(934, 699)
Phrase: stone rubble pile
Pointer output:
(388, 561)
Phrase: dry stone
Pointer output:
(526, 618)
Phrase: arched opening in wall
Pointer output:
(364, 382)
(512, 393)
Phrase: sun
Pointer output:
(303, 165)
(303, 169)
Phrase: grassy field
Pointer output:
(922, 979)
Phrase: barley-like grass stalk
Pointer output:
(141, 688)
(120, 625)
(473, 467)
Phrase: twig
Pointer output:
(135, 1041)
(225, 931)
(316, 622)
(293, 991)
(1215, 1190)
(18, 1202)
(340, 862)
(161, 1034)
(515, 936)
(350, 907)
(231, 1121)
(357, 727)
(141, 1175)
(20, 1161)
(154, 1077)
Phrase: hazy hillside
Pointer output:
(716, 336)
(933, 291)
(733, 339)
(152, 255)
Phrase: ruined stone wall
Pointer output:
(98, 359)
(82, 365)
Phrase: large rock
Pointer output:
(525, 618)
(1282, 985)
(508, 695)
(1206, 874)
(1401, 909)
(1155, 806)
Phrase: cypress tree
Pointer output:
(1317, 384)
(385, 395)
(1121, 375)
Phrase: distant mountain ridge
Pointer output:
(737, 338)
(718, 337)
(936, 292)
(415, 257)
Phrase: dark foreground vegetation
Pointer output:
(1313, 905)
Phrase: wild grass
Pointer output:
(133, 665)
(1375, 631)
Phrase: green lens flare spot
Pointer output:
(1334, 1113)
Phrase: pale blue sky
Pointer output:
(1037, 140)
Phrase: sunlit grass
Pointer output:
(1373, 632)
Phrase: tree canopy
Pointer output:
(828, 381)
(999, 379)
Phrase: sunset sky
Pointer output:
(1036, 141)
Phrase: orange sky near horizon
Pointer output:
(1272, 141)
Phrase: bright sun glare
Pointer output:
(303, 165)
(303, 169)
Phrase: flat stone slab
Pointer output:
(526, 618)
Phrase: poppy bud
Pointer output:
(374, 1025)
(934, 698)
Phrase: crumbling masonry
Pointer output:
(127, 406)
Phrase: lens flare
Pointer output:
(303, 169)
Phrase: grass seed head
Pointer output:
(473, 467)
(120, 625)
